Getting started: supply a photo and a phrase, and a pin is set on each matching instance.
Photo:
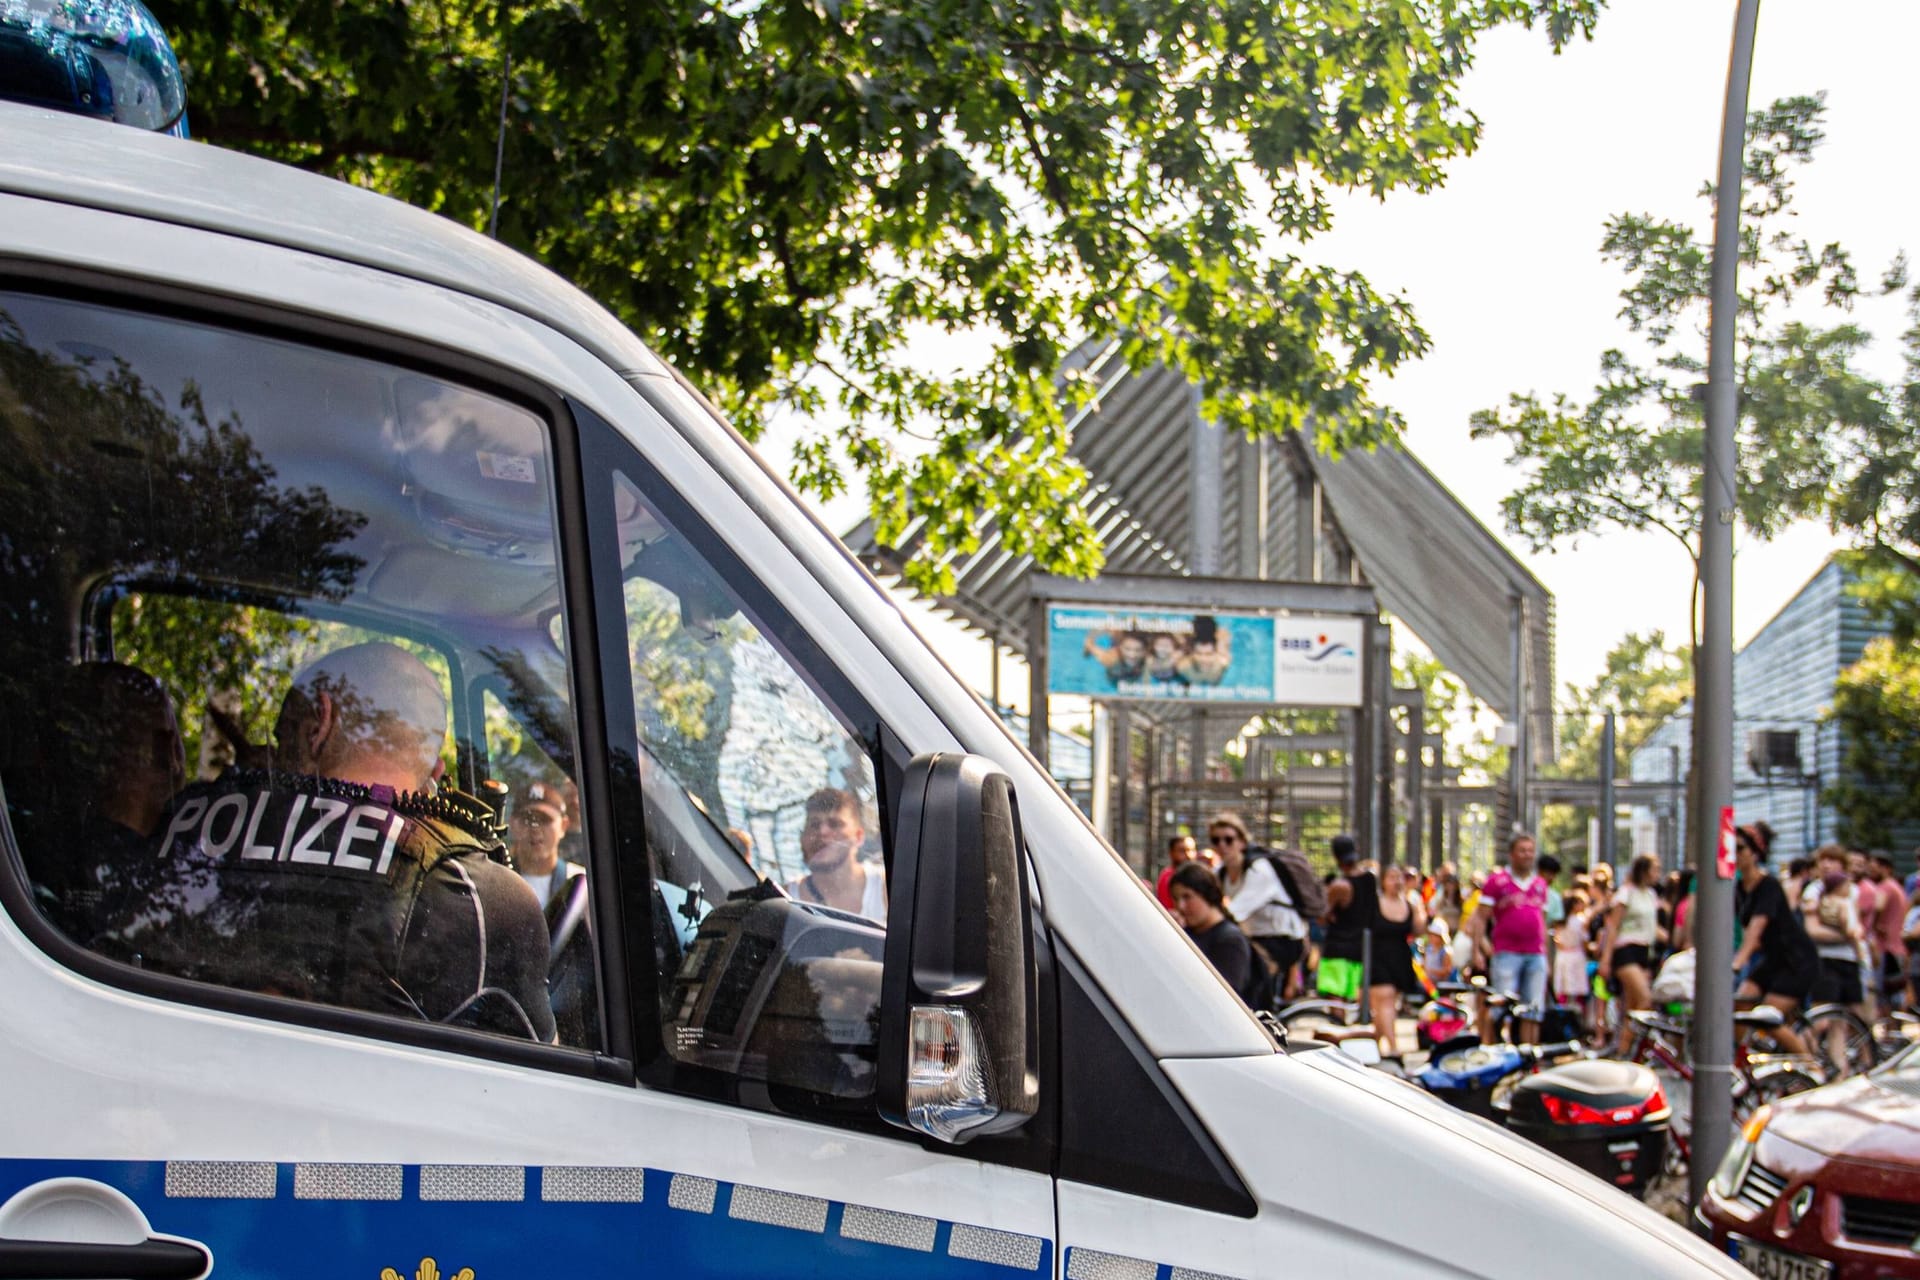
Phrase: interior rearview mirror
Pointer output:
(958, 1051)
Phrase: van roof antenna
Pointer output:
(500, 147)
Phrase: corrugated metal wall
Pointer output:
(1783, 679)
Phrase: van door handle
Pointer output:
(58, 1260)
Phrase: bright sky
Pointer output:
(1502, 264)
(1503, 269)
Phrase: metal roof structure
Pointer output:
(1284, 512)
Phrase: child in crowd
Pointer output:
(1570, 938)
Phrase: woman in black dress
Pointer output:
(1399, 919)
(1200, 905)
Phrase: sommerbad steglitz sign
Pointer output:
(1210, 657)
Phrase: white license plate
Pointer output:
(1778, 1264)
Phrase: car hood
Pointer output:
(1339, 1155)
(1858, 1119)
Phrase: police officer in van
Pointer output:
(341, 875)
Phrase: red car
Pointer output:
(1826, 1185)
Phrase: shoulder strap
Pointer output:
(1279, 866)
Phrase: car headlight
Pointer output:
(1739, 1158)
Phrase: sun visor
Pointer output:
(477, 472)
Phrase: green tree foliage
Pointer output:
(1876, 704)
(1889, 589)
(208, 653)
(1877, 492)
(1453, 713)
(133, 487)
(1630, 455)
(782, 196)
(1645, 681)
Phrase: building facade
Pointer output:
(1783, 680)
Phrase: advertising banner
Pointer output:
(1317, 661)
(1214, 657)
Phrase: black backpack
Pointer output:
(1301, 883)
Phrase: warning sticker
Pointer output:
(507, 466)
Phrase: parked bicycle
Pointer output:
(1660, 1043)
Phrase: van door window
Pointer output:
(762, 824)
(251, 593)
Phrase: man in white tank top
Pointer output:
(830, 843)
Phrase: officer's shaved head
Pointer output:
(369, 713)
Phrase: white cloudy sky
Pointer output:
(1502, 263)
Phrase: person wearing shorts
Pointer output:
(1785, 965)
(1626, 949)
(1510, 934)
(1353, 899)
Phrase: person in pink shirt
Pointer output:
(1887, 922)
(1510, 932)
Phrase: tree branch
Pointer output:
(1051, 181)
(1910, 563)
(1084, 50)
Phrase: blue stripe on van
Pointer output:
(355, 1222)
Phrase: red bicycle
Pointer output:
(1758, 1078)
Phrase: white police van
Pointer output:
(250, 418)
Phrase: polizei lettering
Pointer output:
(289, 827)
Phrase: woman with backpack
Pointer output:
(1267, 911)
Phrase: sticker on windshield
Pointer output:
(507, 466)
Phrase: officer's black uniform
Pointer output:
(341, 894)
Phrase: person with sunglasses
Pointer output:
(1258, 900)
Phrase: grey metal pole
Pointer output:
(1712, 1037)
(1609, 805)
(1204, 452)
(1517, 760)
(1379, 674)
(1416, 789)
(1037, 741)
(993, 675)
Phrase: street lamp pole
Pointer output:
(1713, 996)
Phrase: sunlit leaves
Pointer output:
(1876, 707)
(792, 199)
(1817, 436)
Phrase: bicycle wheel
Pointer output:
(1770, 1086)
(1839, 1039)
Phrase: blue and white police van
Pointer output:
(465, 818)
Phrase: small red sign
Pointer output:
(1723, 861)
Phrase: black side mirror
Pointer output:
(958, 1052)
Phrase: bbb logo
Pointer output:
(1317, 648)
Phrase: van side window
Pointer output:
(254, 596)
(763, 833)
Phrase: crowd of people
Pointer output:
(1838, 927)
